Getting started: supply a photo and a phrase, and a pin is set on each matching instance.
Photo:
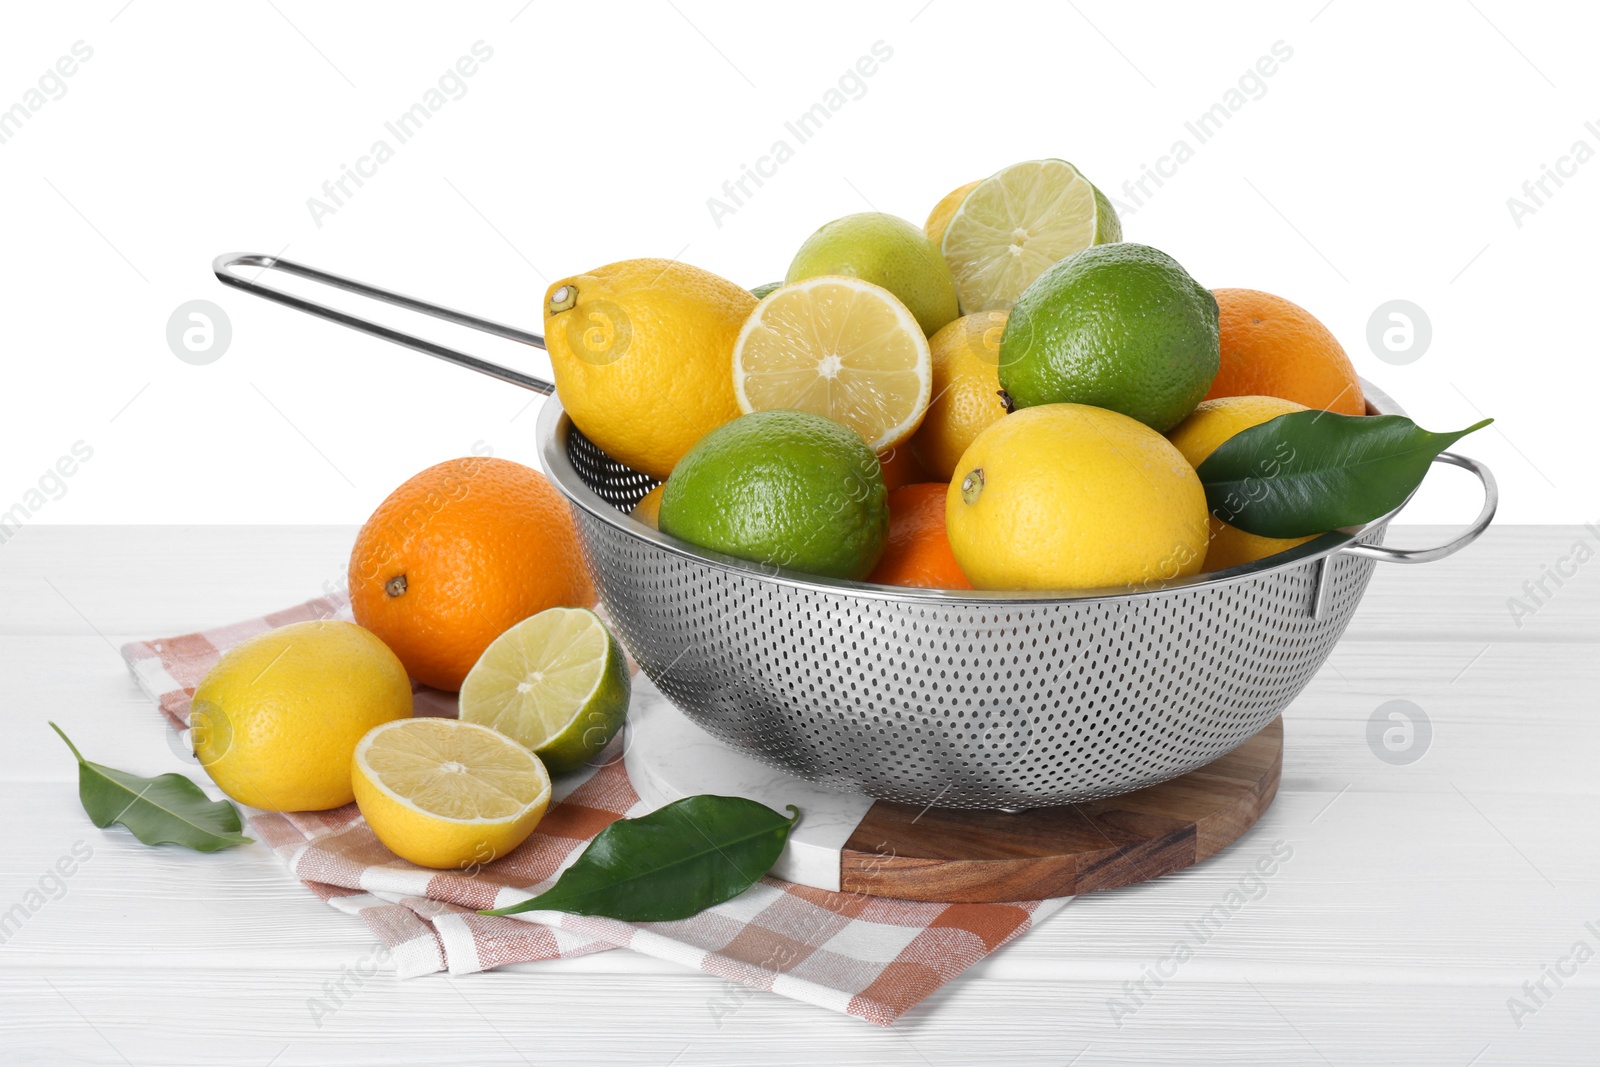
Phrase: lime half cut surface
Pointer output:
(557, 682)
(1018, 223)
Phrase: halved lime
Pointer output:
(1015, 225)
(557, 682)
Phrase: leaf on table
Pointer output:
(1309, 472)
(675, 862)
(169, 809)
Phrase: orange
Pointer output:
(900, 467)
(918, 552)
(458, 555)
(1272, 347)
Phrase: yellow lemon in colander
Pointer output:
(643, 354)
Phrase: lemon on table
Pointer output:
(966, 390)
(448, 794)
(1120, 326)
(1212, 423)
(939, 218)
(556, 682)
(838, 347)
(785, 488)
(884, 250)
(1016, 224)
(640, 351)
(275, 720)
(1066, 496)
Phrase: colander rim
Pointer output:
(554, 424)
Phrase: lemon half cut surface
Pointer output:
(1016, 224)
(838, 347)
(448, 794)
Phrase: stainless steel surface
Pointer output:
(962, 699)
(223, 267)
(1474, 530)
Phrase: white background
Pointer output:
(1377, 165)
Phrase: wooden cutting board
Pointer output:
(936, 854)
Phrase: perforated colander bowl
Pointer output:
(966, 700)
(960, 699)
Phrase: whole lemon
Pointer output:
(1067, 496)
(643, 355)
(939, 218)
(889, 252)
(276, 720)
(648, 509)
(1212, 423)
(966, 390)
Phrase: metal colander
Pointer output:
(960, 699)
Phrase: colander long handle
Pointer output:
(1491, 500)
(223, 266)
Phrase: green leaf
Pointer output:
(670, 864)
(1309, 472)
(168, 809)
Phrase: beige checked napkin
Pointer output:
(866, 956)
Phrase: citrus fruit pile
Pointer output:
(1007, 398)
(1051, 386)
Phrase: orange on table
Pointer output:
(459, 554)
(918, 551)
(1274, 347)
(900, 467)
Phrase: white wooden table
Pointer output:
(1418, 899)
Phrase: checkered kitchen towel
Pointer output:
(866, 956)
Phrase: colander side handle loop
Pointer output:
(1491, 500)
(224, 268)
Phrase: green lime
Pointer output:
(1016, 224)
(556, 682)
(787, 488)
(886, 251)
(761, 292)
(1119, 326)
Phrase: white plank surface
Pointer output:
(1418, 898)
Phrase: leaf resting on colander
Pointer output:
(1308, 472)
(670, 864)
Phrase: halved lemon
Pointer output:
(557, 682)
(1014, 225)
(448, 794)
(837, 347)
